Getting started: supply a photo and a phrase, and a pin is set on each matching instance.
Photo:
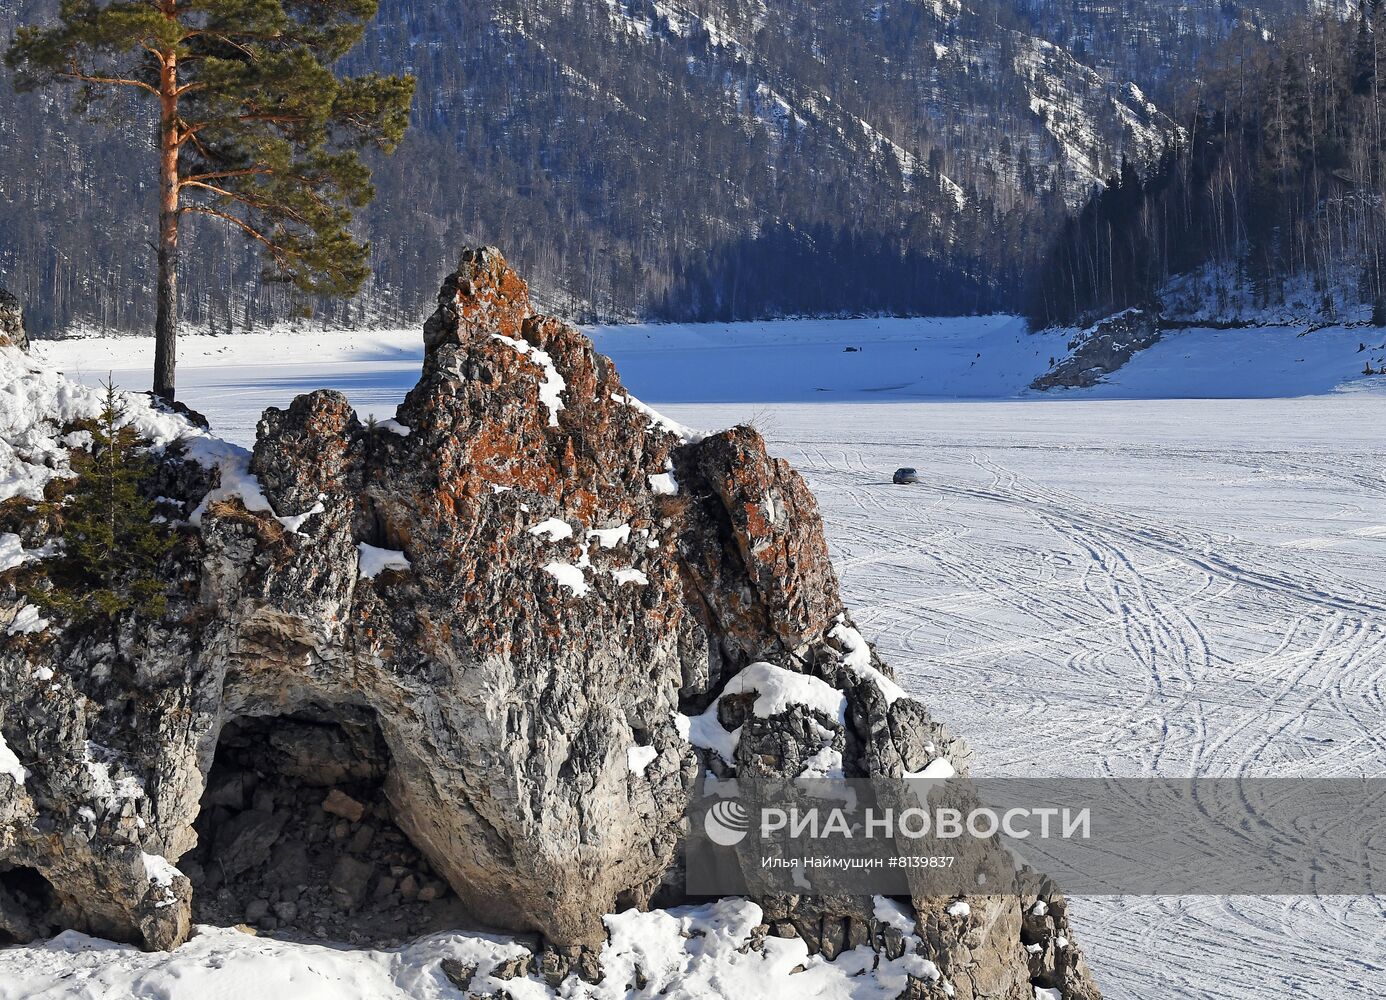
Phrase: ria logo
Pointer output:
(727, 823)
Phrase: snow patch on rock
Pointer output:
(639, 759)
(374, 561)
(9, 763)
(857, 658)
(108, 792)
(12, 552)
(553, 530)
(609, 538)
(551, 389)
(664, 484)
(28, 621)
(696, 952)
(685, 434)
(777, 690)
(295, 522)
(161, 873)
(570, 577)
(235, 479)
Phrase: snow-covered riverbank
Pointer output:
(870, 360)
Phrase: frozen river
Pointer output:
(1173, 587)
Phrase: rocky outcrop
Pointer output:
(12, 322)
(517, 592)
(1102, 349)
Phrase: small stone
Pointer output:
(361, 839)
(286, 911)
(432, 891)
(409, 888)
(460, 974)
(256, 911)
(589, 967)
(553, 967)
(288, 863)
(339, 803)
(385, 886)
(229, 792)
(350, 881)
(513, 968)
(245, 842)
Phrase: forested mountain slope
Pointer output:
(1269, 208)
(691, 159)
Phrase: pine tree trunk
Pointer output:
(166, 320)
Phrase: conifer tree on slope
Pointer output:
(254, 127)
(112, 542)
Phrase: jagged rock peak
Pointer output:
(484, 296)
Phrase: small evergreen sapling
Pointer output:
(112, 541)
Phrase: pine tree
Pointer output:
(254, 127)
(112, 541)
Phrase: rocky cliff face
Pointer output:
(1102, 349)
(12, 323)
(465, 643)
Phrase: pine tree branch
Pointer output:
(75, 73)
(225, 174)
(246, 200)
(279, 253)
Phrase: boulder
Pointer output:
(574, 577)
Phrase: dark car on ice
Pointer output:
(906, 477)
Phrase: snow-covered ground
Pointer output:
(693, 953)
(1109, 582)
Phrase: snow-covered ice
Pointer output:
(968, 358)
(1132, 587)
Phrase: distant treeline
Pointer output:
(1279, 175)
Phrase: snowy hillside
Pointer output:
(647, 159)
